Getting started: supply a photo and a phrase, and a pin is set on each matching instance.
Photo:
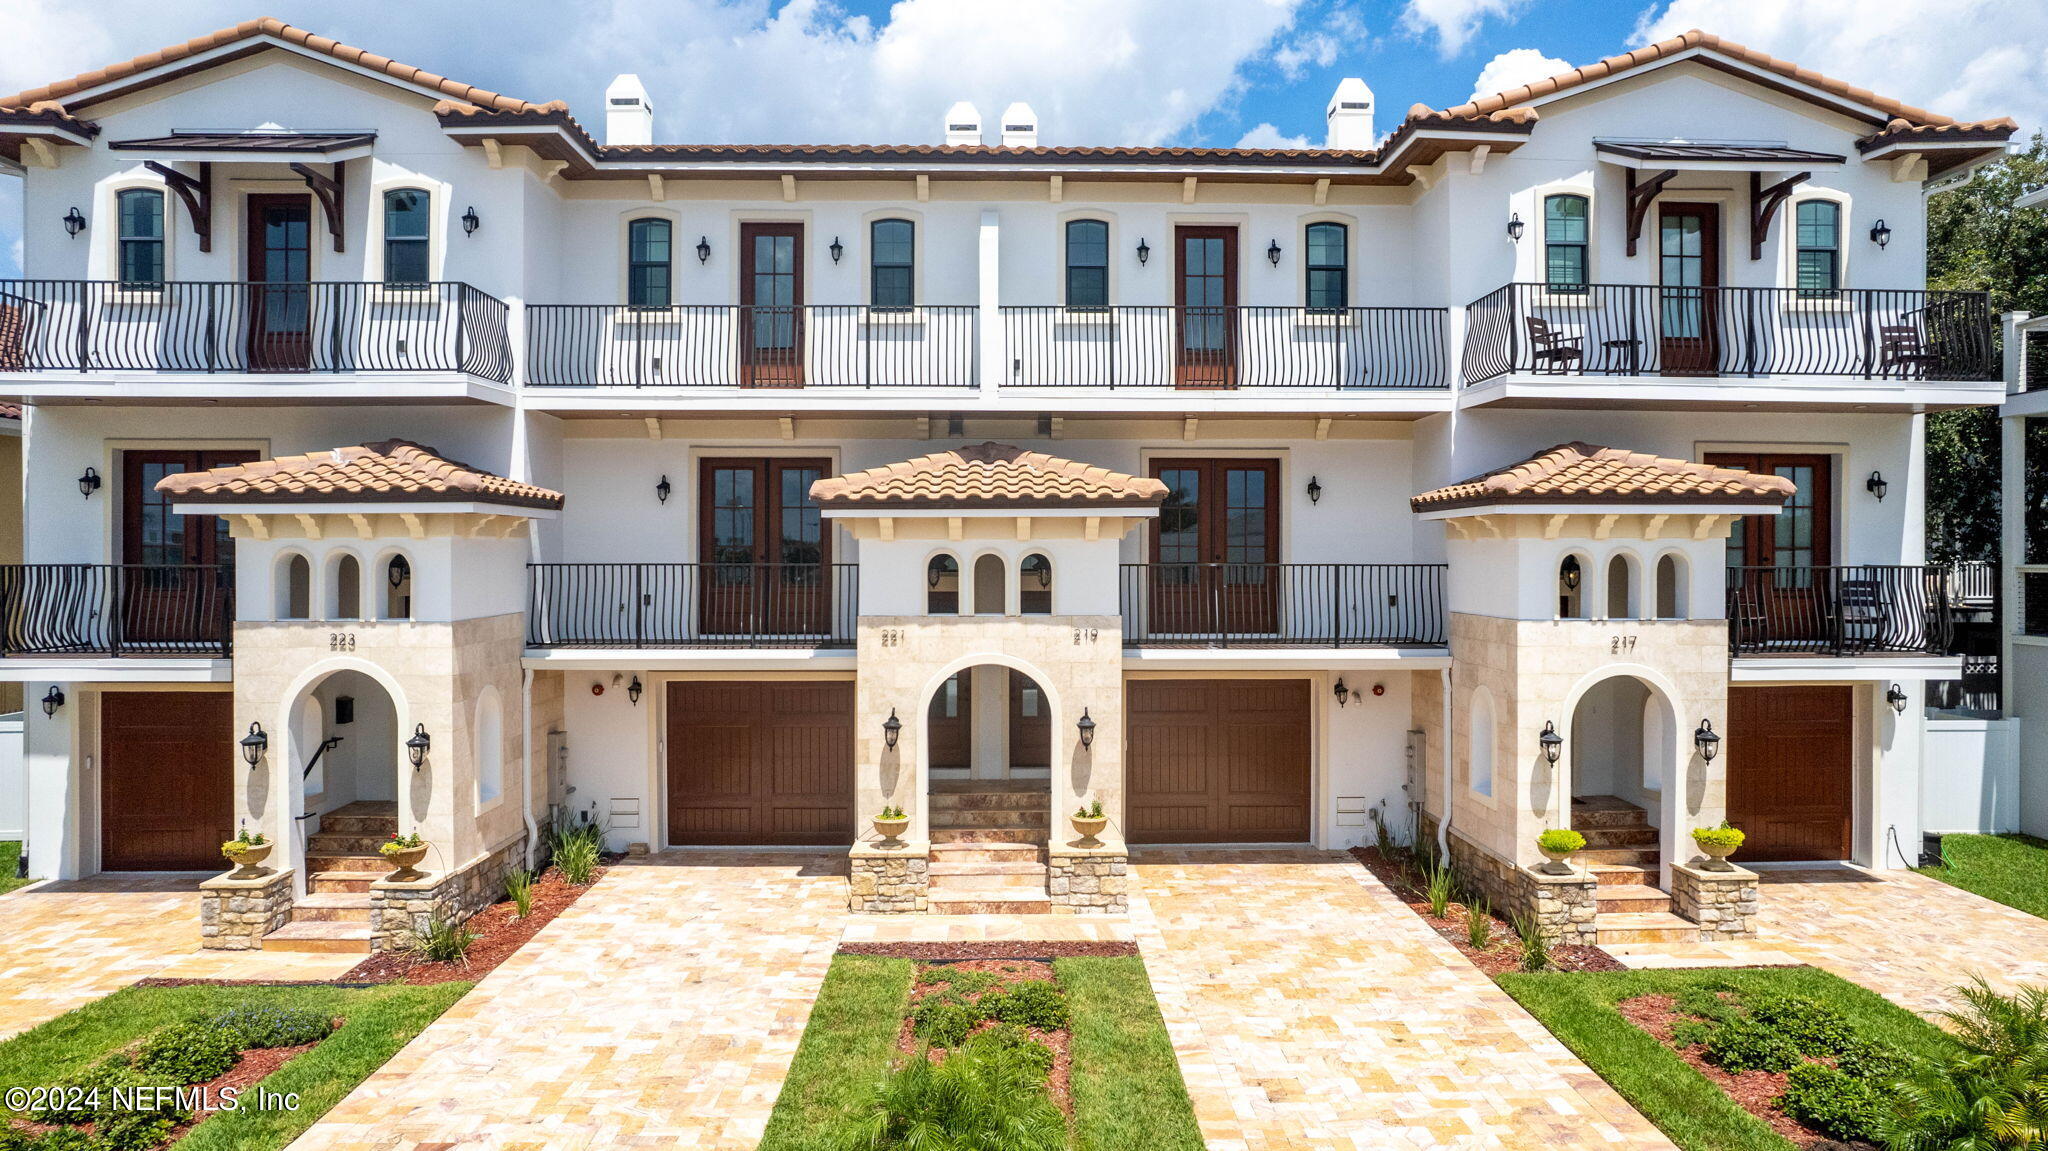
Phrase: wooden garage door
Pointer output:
(167, 777)
(1217, 761)
(1791, 773)
(760, 763)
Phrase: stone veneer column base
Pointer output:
(890, 879)
(1088, 880)
(235, 914)
(1562, 905)
(402, 908)
(1723, 903)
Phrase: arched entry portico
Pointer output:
(340, 767)
(1623, 777)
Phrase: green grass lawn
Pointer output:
(380, 1020)
(845, 1049)
(2012, 869)
(10, 862)
(1580, 1010)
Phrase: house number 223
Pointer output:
(341, 641)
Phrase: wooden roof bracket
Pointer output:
(197, 194)
(1639, 196)
(329, 191)
(1764, 204)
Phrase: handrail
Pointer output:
(1849, 609)
(1240, 346)
(116, 609)
(1282, 605)
(734, 345)
(667, 605)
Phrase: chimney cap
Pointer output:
(626, 88)
(1019, 117)
(963, 116)
(1351, 96)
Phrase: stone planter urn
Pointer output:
(1560, 861)
(1717, 854)
(1090, 828)
(407, 860)
(1558, 845)
(248, 858)
(891, 830)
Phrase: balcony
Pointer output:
(1840, 611)
(683, 605)
(116, 610)
(1225, 348)
(1282, 605)
(839, 346)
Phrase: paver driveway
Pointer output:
(1311, 1009)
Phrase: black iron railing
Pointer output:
(1637, 330)
(1848, 610)
(1281, 605)
(1225, 347)
(116, 609)
(730, 345)
(691, 605)
(193, 326)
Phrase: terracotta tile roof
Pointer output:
(1901, 131)
(389, 471)
(249, 30)
(988, 475)
(10, 411)
(46, 112)
(1588, 473)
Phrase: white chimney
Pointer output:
(1020, 126)
(1350, 116)
(963, 124)
(628, 117)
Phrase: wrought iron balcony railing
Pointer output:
(1282, 605)
(648, 605)
(1210, 348)
(732, 345)
(1845, 610)
(116, 609)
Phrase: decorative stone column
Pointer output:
(1088, 880)
(1723, 903)
(235, 914)
(1563, 905)
(890, 879)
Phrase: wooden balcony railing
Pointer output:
(1210, 348)
(729, 345)
(1282, 605)
(210, 327)
(116, 610)
(1637, 330)
(645, 605)
(1849, 610)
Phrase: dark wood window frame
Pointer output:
(1578, 250)
(892, 296)
(1759, 532)
(1830, 251)
(132, 245)
(1326, 284)
(407, 245)
(650, 278)
(1087, 281)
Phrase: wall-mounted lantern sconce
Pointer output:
(1144, 251)
(837, 249)
(1876, 486)
(1897, 698)
(662, 490)
(1515, 227)
(1086, 726)
(1707, 740)
(398, 571)
(1315, 490)
(892, 729)
(1344, 693)
(254, 743)
(74, 221)
(1572, 574)
(471, 222)
(52, 700)
(1553, 743)
(1273, 253)
(633, 691)
(416, 747)
(703, 249)
(1880, 234)
(89, 482)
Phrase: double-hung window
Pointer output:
(141, 226)
(892, 264)
(648, 243)
(1564, 242)
(1328, 267)
(1087, 264)
(1817, 239)
(405, 236)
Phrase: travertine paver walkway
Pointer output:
(661, 1010)
(1311, 1009)
(69, 943)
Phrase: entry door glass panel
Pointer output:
(1688, 270)
(280, 257)
(1776, 593)
(1205, 292)
(771, 304)
(1215, 547)
(176, 589)
(766, 546)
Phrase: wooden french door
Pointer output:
(178, 571)
(1791, 770)
(1689, 279)
(766, 554)
(772, 305)
(1216, 547)
(280, 297)
(1205, 306)
(1774, 593)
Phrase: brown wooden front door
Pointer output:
(949, 722)
(767, 556)
(1774, 595)
(280, 297)
(1791, 774)
(1689, 280)
(761, 763)
(1205, 306)
(167, 775)
(1030, 723)
(1216, 548)
(178, 573)
(1217, 761)
(771, 305)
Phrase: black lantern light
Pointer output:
(1087, 729)
(1515, 227)
(662, 490)
(74, 221)
(1572, 575)
(1273, 253)
(1707, 740)
(52, 700)
(1315, 490)
(1144, 251)
(1343, 692)
(1880, 234)
(837, 249)
(1876, 486)
(891, 729)
(1897, 698)
(416, 747)
(471, 222)
(703, 249)
(89, 482)
(254, 743)
(1553, 743)
(633, 691)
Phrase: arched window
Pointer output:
(1621, 599)
(405, 236)
(398, 588)
(1328, 267)
(294, 587)
(1817, 235)
(1034, 585)
(345, 584)
(991, 586)
(140, 226)
(1571, 577)
(892, 264)
(490, 746)
(1479, 742)
(1670, 588)
(1564, 242)
(942, 586)
(647, 262)
(1087, 264)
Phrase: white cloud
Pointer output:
(1966, 58)
(1294, 57)
(1455, 22)
(1514, 68)
(1267, 136)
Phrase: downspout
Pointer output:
(1443, 826)
(526, 761)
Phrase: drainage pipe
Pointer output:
(526, 762)
(1443, 825)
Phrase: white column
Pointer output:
(991, 722)
(56, 786)
(994, 368)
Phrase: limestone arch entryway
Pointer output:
(1622, 782)
(341, 761)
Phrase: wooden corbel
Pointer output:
(197, 194)
(1764, 204)
(1640, 193)
(329, 191)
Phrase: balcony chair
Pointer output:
(1860, 613)
(1900, 349)
(1548, 346)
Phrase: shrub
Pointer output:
(1881, 1064)
(1705, 1002)
(577, 861)
(892, 812)
(398, 843)
(266, 1025)
(944, 1020)
(984, 1100)
(1746, 1043)
(443, 941)
(1691, 1033)
(189, 1053)
(1970, 1102)
(1561, 839)
(962, 980)
(1034, 1003)
(2001, 1025)
(1722, 836)
(519, 888)
(121, 1129)
(1811, 1027)
(1089, 811)
(1535, 950)
(1479, 924)
(1010, 1037)
(1834, 1102)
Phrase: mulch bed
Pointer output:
(1504, 954)
(500, 932)
(1007, 972)
(994, 949)
(1753, 1091)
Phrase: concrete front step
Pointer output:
(949, 854)
(321, 937)
(1031, 835)
(1601, 837)
(1606, 811)
(343, 882)
(1638, 856)
(335, 843)
(991, 817)
(378, 819)
(1622, 874)
(1643, 927)
(990, 903)
(1629, 897)
(349, 862)
(332, 907)
(985, 800)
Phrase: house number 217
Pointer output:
(1621, 644)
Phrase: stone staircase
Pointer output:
(1622, 853)
(988, 846)
(341, 863)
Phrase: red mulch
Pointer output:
(1753, 1091)
(1007, 971)
(994, 949)
(1504, 954)
(500, 932)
